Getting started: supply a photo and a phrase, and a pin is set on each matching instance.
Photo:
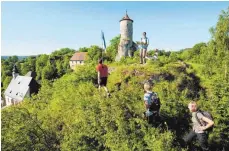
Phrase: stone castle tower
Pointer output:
(126, 46)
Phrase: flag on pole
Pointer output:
(103, 41)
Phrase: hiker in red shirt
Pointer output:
(102, 75)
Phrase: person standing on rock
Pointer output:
(102, 71)
(144, 46)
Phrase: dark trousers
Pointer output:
(202, 139)
(153, 119)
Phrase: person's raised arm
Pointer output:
(210, 123)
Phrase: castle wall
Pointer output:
(126, 31)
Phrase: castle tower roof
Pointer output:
(126, 17)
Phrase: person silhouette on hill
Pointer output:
(102, 71)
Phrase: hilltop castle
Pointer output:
(126, 46)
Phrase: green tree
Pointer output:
(221, 37)
(41, 62)
(83, 49)
(13, 59)
(60, 69)
(66, 66)
(112, 49)
(28, 65)
(197, 48)
(94, 53)
(48, 72)
(62, 51)
(22, 130)
(173, 56)
(61, 61)
(6, 82)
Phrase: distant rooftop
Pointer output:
(79, 56)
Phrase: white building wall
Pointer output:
(8, 100)
(74, 63)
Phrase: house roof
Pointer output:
(31, 74)
(18, 87)
(79, 56)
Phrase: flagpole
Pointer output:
(103, 42)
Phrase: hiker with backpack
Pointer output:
(102, 71)
(152, 104)
(202, 123)
(144, 45)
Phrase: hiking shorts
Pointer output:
(144, 47)
(103, 81)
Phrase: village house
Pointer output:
(78, 59)
(20, 87)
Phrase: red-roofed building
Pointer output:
(78, 59)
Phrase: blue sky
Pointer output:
(31, 28)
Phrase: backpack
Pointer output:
(155, 102)
(203, 123)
